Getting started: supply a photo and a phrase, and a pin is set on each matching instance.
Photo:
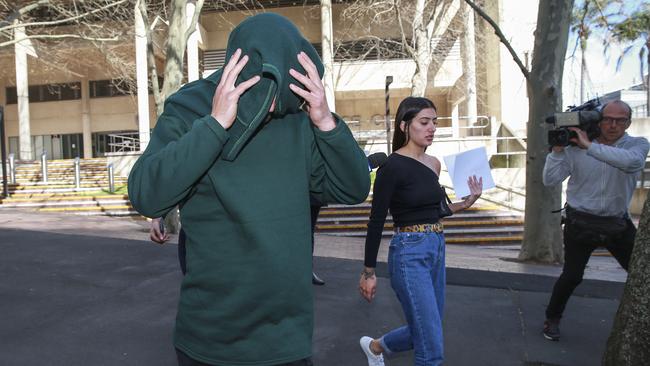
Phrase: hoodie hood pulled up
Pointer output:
(272, 44)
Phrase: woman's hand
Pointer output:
(319, 111)
(475, 188)
(368, 284)
(226, 97)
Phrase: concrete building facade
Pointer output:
(76, 109)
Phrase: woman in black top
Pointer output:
(407, 184)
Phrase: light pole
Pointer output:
(389, 80)
(3, 151)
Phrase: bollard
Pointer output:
(44, 166)
(77, 173)
(12, 169)
(111, 180)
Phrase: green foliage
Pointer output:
(630, 30)
(592, 14)
(119, 190)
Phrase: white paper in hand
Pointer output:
(465, 164)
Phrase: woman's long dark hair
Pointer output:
(406, 111)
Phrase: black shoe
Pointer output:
(316, 280)
(552, 329)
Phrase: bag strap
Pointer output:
(561, 209)
(444, 194)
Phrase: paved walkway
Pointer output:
(93, 291)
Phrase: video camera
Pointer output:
(585, 117)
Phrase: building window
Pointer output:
(224, 6)
(369, 50)
(47, 93)
(391, 49)
(212, 60)
(108, 88)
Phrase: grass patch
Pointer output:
(119, 190)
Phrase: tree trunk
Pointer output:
(177, 37)
(628, 342)
(422, 51)
(542, 234)
(327, 42)
(468, 52)
(647, 79)
(175, 51)
(583, 68)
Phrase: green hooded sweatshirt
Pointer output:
(244, 195)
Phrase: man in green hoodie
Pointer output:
(240, 156)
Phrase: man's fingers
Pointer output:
(243, 86)
(229, 66)
(232, 76)
(303, 93)
(309, 66)
(155, 238)
(309, 85)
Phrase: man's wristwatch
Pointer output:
(367, 273)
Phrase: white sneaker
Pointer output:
(373, 359)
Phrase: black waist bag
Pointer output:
(594, 227)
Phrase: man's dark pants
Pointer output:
(185, 360)
(315, 210)
(576, 255)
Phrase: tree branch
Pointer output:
(195, 18)
(54, 22)
(27, 8)
(58, 36)
(501, 36)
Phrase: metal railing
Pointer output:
(375, 140)
(475, 126)
(124, 142)
(44, 166)
(644, 179)
(639, 111)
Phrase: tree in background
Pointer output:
(178, 33)
(542, 236)
(420, 25)
(587, 17)
(41, 26)
(634, 30)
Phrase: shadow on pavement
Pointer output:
(89, 300)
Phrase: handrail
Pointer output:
(121, 142)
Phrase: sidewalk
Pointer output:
(94, 291)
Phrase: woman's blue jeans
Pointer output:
(416, 262)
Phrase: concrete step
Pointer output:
(68, 188)
(65, 178)
(56, 195)
(466, 225)
(67, 203)
(479, 215)
(66, 196)
(111, 210)
(483, 224)
(67, 182)
(456, 240)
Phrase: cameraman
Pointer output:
(602, 178)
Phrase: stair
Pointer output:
(60, 193)
(481, 224)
